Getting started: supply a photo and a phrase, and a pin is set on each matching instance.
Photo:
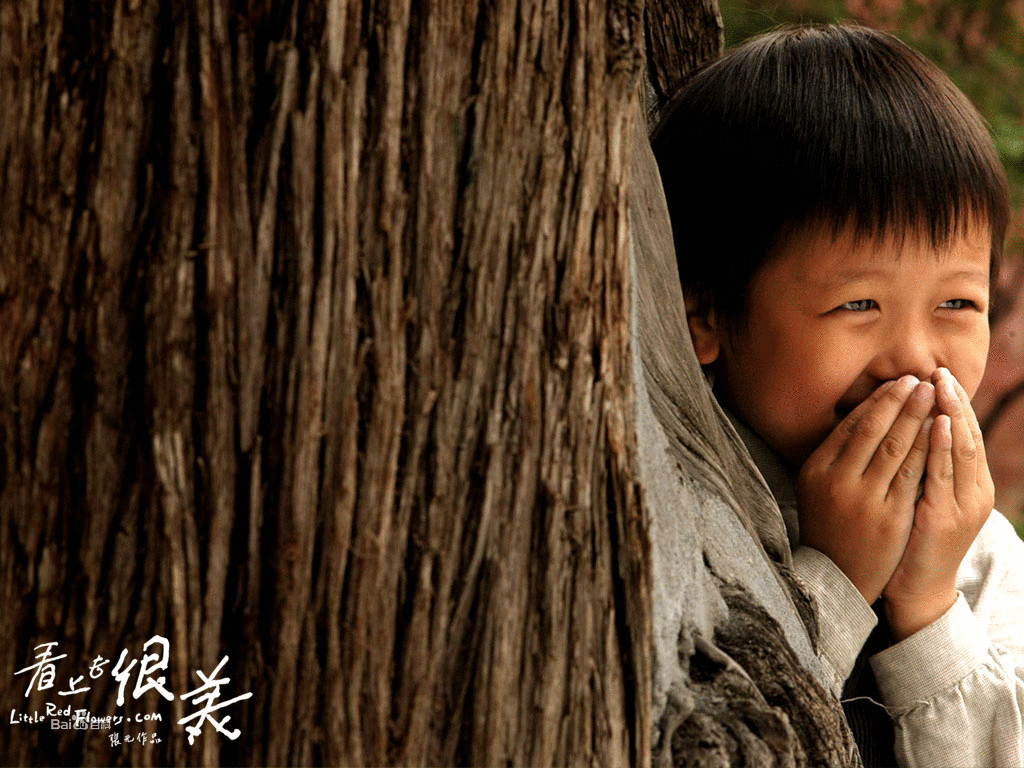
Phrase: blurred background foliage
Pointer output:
(979, 43)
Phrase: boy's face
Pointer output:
(831, 319)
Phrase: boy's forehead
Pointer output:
(846, 254)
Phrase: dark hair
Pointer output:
(827, 126)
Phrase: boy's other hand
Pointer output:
(856, 492)
(958, 497)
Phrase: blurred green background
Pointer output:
(979, 43)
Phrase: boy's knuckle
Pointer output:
(815, 466)
(967, 453)
(894, 446)
(889, 527)
(870, 426)
(835, 488)
(848, 427)
(947, 527)
(908, 473)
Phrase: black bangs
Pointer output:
(834, 126)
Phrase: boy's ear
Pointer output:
(703, 334)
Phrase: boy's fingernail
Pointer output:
(949, 391)
(907, 383)
(925, 390)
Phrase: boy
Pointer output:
(838, 209)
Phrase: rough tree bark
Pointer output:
(315, 352)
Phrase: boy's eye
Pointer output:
(957, 304)
(863, 305)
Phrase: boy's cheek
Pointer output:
(970, 369)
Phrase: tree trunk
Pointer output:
(315, 324)
(316, 355)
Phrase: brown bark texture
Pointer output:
(314, 332)
(682, 35)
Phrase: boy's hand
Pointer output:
(958, 497)
(856, 492)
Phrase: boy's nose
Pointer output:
(909, 351)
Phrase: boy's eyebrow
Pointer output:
(844, 277)
(981, 277)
